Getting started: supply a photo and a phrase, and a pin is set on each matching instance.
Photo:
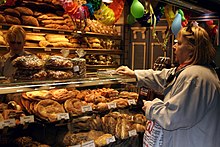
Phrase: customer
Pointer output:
(15, 38)
(189, 115)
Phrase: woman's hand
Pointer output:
(125, 71)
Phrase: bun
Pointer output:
(12, 20)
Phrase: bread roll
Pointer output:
(2, 40)
(12, 20)
(30, 20)
(102, 140)
(32, 37)
(24, 10)
(2, 18)
(12, 12)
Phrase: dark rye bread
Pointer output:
(12, 20)
(24, 11)
(12, 12)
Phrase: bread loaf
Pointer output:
(12, 20)
(2, 18)
(24, 10)
(12, 12)
(30, 20)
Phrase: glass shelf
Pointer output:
(24, 86)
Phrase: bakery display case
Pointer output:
(98, 110)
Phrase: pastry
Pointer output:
(49, 109)
(61, 95)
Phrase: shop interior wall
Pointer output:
(141, 49)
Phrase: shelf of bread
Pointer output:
(74, 33)
(25, 86)
(72, 50)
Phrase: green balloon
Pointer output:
(137, 9)
(130, 19)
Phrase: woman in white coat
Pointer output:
(189, 115)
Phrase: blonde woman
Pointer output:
(15, 39)
(189, 115)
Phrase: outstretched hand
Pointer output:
(125, 71)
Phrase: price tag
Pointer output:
(19, 90)
(132, 102)
(111, 139)
(7, 123)
(132, 133)
(27, 119)
(76, 68)
(112, 105)
(86, 108)
(61, 32)
(63, 116)
(36, 30)
(88, 144)
(46, 49)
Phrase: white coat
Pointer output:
(190, 112)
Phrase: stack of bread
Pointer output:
(33, 39)
(97, 27)
(54, 21)
(73, 100)
(59, 67)
(99, 138)
(100, 60)
(20, 15)
(29, 67)
(55, 40)
(94, 43)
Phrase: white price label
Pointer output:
(75, 145)
(61, 32)
(76, 68)
(86, 108)
(63, 116)
(132, 133)
(27, 119)
(132, 102)
(112, 105)
(111, 139)
(47, 49)
(36, 30)
(88, 144)
(7, 123)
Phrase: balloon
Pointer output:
(182, 14)
(137, 9)
(176, 25)
(159, 11)
(145, 20)
(210, 22)
(130, 19)
(169, 14)
(95, 4)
